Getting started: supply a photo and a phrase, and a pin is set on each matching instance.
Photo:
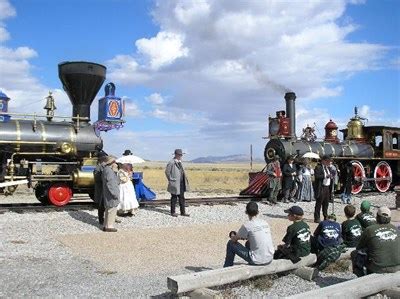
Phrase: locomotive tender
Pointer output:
(374, 151)
(31, 144)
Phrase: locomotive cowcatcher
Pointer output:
(57, 157)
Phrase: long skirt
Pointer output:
(127, 197)
(306, 192)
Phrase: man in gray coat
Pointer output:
(110, 193)
(178, 183)
(98, 187)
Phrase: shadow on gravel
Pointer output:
(84, 217)
(166, 295)
(197, 269)
(275, 216)
(159, 210)
(327, 281)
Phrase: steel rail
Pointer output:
(85, 203)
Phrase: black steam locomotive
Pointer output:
(374, 151)
(57, 158)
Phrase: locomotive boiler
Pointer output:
(373, 150)
(57, 154)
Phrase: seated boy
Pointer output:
(366, 218)
(259, 249)
(297, 239)
(351, 228)
(327, 234)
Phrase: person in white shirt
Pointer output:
(259, 249)
(323, 180)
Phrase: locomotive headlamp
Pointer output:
(271, 153)
(66, 148)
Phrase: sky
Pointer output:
(205, 75)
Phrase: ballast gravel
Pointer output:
(65, 254)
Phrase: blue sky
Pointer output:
(203, 75)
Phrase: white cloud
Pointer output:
(162, 49)
(131, 108)
(155, 99)
(6, 11)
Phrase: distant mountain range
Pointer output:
(226, 159)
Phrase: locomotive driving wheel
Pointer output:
(59, 194)
(359, 175)
(41, 193)
(383, 176)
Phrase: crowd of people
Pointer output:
(297, 182)
(376, 242)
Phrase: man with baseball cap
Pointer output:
(297, 239)
(378, 250)
(365, 217)
(178, 182)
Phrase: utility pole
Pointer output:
(251, 157)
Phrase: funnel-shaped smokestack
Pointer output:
(81, 81)
(290, 97)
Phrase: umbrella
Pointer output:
(130, 159)
(311, 155)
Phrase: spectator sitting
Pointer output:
(366, 218)
(328, 233)
(259, 249)
(351, 228)
(378, 248)
(297, 238)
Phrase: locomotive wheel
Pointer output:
(41, 194)
(383, 176)
(359, 175)
(59, 194)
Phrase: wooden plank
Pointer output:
(355, 288)
(210, 278)
(205, 279)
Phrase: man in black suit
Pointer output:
(323, 181)
(289, 177)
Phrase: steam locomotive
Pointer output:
(57, 157)
(373, 151)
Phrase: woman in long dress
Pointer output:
(306, 192)
(128, 202)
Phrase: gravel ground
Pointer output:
(64, 254)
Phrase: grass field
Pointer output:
(203, 178)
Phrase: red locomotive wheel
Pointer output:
(59, 194)
(383, 176)
(359, 175)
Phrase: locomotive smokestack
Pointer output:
(290, 97)
(81, 81)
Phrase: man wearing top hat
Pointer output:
(178, 183)
(323, 180)
(127, 152)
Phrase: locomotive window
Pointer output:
(378, 141)
(395, 141)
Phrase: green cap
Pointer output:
(365, 206)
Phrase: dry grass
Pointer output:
(338, 266)
(205, 178)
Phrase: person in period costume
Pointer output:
(378, 250)
(259, 248)
(306, 172)
(323, 181)
(127, 152)
(289, 178)
(110, 193)
(275, 175)
(98, 187)
(178, 183)
(347, 177)
(127, 196)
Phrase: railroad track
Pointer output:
(85, 203)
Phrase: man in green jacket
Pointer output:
(378, 250)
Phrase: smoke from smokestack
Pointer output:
(264, 80)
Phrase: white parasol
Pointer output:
(130, 159)
(311, 155)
